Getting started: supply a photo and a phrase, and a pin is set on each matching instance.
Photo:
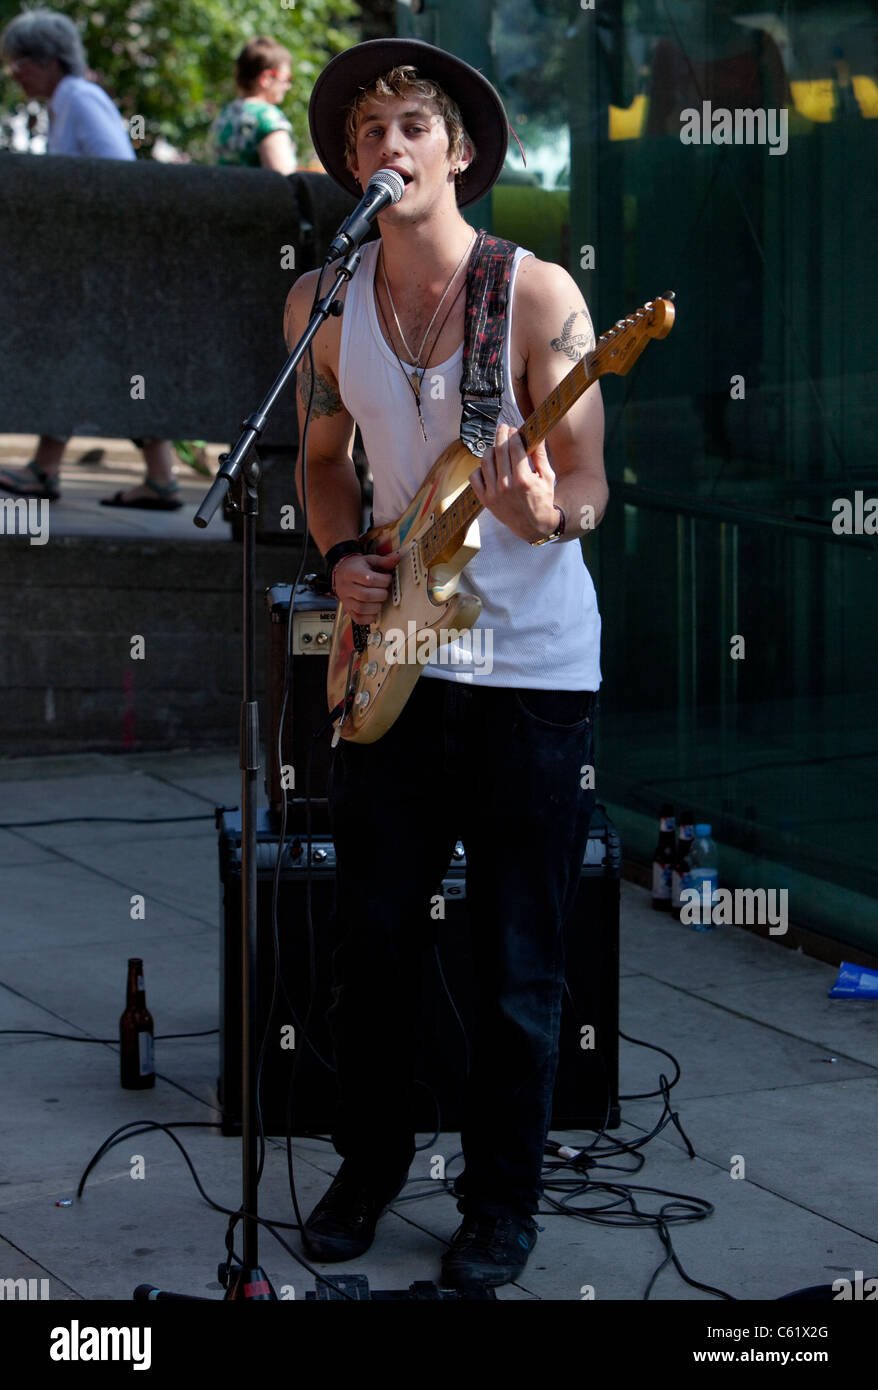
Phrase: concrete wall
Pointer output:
(68, 611)
(108, 270)
(111, 270)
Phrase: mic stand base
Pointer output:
(251, 1284)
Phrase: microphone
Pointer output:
(385, 186)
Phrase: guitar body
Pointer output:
(373, 670)
(423, 610)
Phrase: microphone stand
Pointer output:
(248, 1281)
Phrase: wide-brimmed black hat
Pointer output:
(356, 70)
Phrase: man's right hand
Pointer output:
(362, 583)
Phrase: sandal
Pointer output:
(165, 499)
(45, 485)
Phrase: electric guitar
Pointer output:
(373, 670)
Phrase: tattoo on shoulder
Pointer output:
(575, 345)
(327, 401)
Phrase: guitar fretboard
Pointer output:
(452, 524)
(615, 351)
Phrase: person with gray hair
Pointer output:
(44, 35)
(43, 52)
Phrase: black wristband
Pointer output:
(339, 552)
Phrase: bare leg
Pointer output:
(49, 454)
(46, 461)
(159, 458)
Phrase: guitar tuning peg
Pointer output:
(649, 304)
(669, 295)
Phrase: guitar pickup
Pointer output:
(395, 590)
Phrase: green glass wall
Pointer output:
(740, 640)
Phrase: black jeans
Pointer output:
(502, 770)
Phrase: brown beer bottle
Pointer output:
(136, 1034)
(663, 861)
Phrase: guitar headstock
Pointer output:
(619, 348)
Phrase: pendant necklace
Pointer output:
(417, 376)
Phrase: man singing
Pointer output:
(490, 752)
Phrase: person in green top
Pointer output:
(252, 130)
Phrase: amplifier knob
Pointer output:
(322, 638)
(319, 855)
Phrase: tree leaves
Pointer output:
(172, 61)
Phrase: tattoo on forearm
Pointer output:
(575, 345)
(327, 401)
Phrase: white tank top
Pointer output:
(539, 626)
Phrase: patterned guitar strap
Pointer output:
(482, 379)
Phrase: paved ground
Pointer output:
(79, 512)
(748, 1021)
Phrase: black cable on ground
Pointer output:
(138, 1127)
(105, 820)
(75, 1037)
(618, 1206)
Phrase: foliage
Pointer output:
(172, 61)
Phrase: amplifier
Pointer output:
(587, 1087)
(313, 617)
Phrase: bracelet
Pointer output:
(336, 554)
(558, 531)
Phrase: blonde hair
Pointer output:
(405, 82)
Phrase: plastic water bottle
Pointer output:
(703, 876)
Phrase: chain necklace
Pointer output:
(410, 380)
(418, 375)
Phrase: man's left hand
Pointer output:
(517, 488)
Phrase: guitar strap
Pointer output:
(482, 379)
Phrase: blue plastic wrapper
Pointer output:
(855, 982)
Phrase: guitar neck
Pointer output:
(446, 534)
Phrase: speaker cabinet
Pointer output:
(587, 1087)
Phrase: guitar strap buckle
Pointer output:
(478, 424)
(482, 379)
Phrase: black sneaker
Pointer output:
(488, 1250)
(342, 1225)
